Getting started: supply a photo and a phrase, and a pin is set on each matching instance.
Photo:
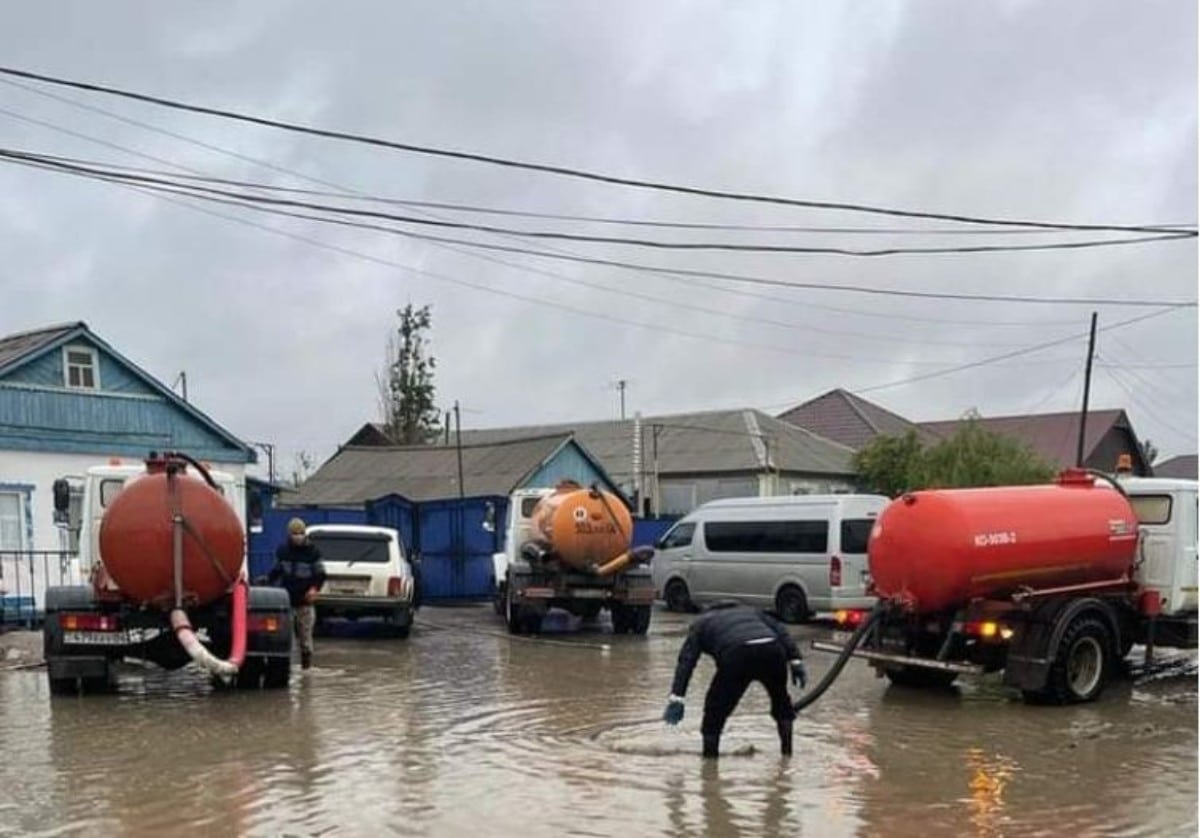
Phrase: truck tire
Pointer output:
(677, 596)
(791, 605)
(918, 677)
(630, 619)
(250, 675)
(1082, 663)
(518, 617)
(64, 686)
(277, 673)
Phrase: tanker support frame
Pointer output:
(86, 637)
(1057, 646)
(530, 589)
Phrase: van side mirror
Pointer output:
(62, 500)
(489, 517)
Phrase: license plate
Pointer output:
(345, 591)
(589, 593)
(96, 638)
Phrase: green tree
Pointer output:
(889, 464)
(406, 391)
(973, 456)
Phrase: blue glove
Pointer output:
(673, 715)
(799, 673)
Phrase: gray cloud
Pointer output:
(1060, 111)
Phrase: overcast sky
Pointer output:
(1081, 112)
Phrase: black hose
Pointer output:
(835, 670)
(196, 464)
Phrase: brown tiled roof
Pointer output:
(849, 419)
(1183, 467)
(1054, 436)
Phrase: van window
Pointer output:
(1152, 509)
(856, 532)
(767, 536)
(109, 489)
(528, 505)
(680, 535)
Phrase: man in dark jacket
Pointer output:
(299, 570)
(748, 645)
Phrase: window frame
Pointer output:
(68, 365)
(22, 536)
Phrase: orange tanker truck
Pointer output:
(162, 548)
(570, 548)
(1053, 584)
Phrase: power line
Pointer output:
(557, 170)
(730, 247)
(1129, 391)
(1182, 228)
(1008, 355)
(247, 203)
(525, 268)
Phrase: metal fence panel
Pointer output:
(24, 577)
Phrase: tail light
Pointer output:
(397, 586)
(835, 572)
(89, 622)
(988, 630)
(849, 619)
(269, 623)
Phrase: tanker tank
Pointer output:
(137, 536)
(933, 551)
(584, 529)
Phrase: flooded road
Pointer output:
(464, 730)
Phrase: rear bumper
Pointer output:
(77, 666)
(338, 605)
(849, 601)
(891, 660)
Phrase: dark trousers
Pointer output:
(736, 669)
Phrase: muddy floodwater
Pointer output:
(463, 730)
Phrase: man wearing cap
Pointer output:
(299, 569)
(748, 645)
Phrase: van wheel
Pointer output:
(677, 597)
(791, 604)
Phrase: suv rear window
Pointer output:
(856, 532)
(336, 547)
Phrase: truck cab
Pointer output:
(1166, 565)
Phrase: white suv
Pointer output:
(367, 575)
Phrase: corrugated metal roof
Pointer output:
(849, 419)
(13, 348)
(357, 474)
(1183, 467)
(710, 442)
(1054, 436)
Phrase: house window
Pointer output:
(79, 367)
(12, 529)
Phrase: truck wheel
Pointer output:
(277, 673)
(513, 616)
(64, 686)
(677, 597)
(791, 604)
(250, 675)
(921, 678)
(639, 619)
(1081, 663)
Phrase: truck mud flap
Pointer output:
(891, 659)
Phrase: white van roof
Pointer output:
(794, 502)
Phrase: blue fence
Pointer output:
(263, 544)
(448, 535)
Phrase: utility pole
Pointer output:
(1087, 387)
(269, 448)
(621, 383)
(181, 379)
(458, 446)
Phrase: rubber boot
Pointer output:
(306, 660)
(712, 746)
(785, 738)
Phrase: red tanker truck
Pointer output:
(1052, 584)
(162, 549)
